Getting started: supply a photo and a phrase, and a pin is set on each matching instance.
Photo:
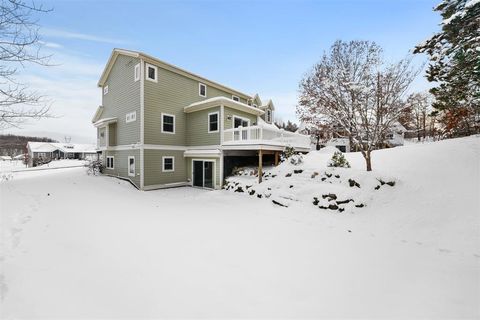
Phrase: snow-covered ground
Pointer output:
(18, 165)
(78, 246)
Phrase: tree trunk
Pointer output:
(368, 160)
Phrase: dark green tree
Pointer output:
(455, 65)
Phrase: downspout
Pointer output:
(142, 123)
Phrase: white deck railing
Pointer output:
(258, 134)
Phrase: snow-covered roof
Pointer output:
(216, 101)
(64, 147)
(262, 123)
(202, 153)
(5, 158)
(105, 121)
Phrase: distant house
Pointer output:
(339, 139)
(5, 158)
(47, 151)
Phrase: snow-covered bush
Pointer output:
(339, 160)
(95, 167)
(290, 154)
(296, 159)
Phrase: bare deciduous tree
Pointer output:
(19, 45)
(419, 105)
(353, 91)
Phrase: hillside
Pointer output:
(13, 145)
(78, 246)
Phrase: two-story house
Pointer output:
(161, 126)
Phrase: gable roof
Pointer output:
(64, 147)
(157, 62)
(267, 104)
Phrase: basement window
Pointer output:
(110, 161)
(131, 166)
(168, 164)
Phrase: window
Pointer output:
(151, 73)
(202, 90)
(131, 166)
(269, 115)
(110, 162)
(213, 122)
(168, 164)
(168, 123)
(130, 117)
(235, 98)
(240, 122)
(136, 73)
(105, 90)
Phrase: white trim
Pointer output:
(203, 168)
(199, 90)
(167, 185)
(234, 96)
(136, 72)
(222, 123)
(221, 168)
(164, 147)
(131, 117)
(168, 115)
(156, 72)
(113, 162)
(218, 122)
(142, 124)
(105, 90)
(217, 101)
(173, 164)
(128, 166)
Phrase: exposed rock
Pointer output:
(315, 201)
(361, 205)
(330, 196)
(239, 189)
(297, 171)
(344, 201)
(288, 175)
(353, 183)
(333, 207)
(278, 203)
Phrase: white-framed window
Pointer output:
(136, 72)
(202, 90)
(269, 115)
(151, 73)
(235, 98)
(213, 122)
(131, 117)
(105, 90)
(168, 164)
(240, 122)
(131, 166)
(110, 162)
(168, 123)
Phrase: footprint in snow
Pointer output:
(419, 243)
(444, 250)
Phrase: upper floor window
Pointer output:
(168, 123)
(202, 90)
(130, 117)
(136, 72)
(213, 122)
(105, 90)
(152, 73)
(269, 115)
(168, 164)
(235, 98)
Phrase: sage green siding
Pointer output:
(230, 113)
(153, 174)
(217, 169)
(123, 97)
(120, 164)
(197, 132)
(170, 95)
(101, 137)
(112, 134)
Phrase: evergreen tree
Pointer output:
(455, 65)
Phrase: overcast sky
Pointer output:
(252, 46)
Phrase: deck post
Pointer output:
(276, 158)
(260, 163)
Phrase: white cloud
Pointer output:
(56, 33)
(52, 45)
